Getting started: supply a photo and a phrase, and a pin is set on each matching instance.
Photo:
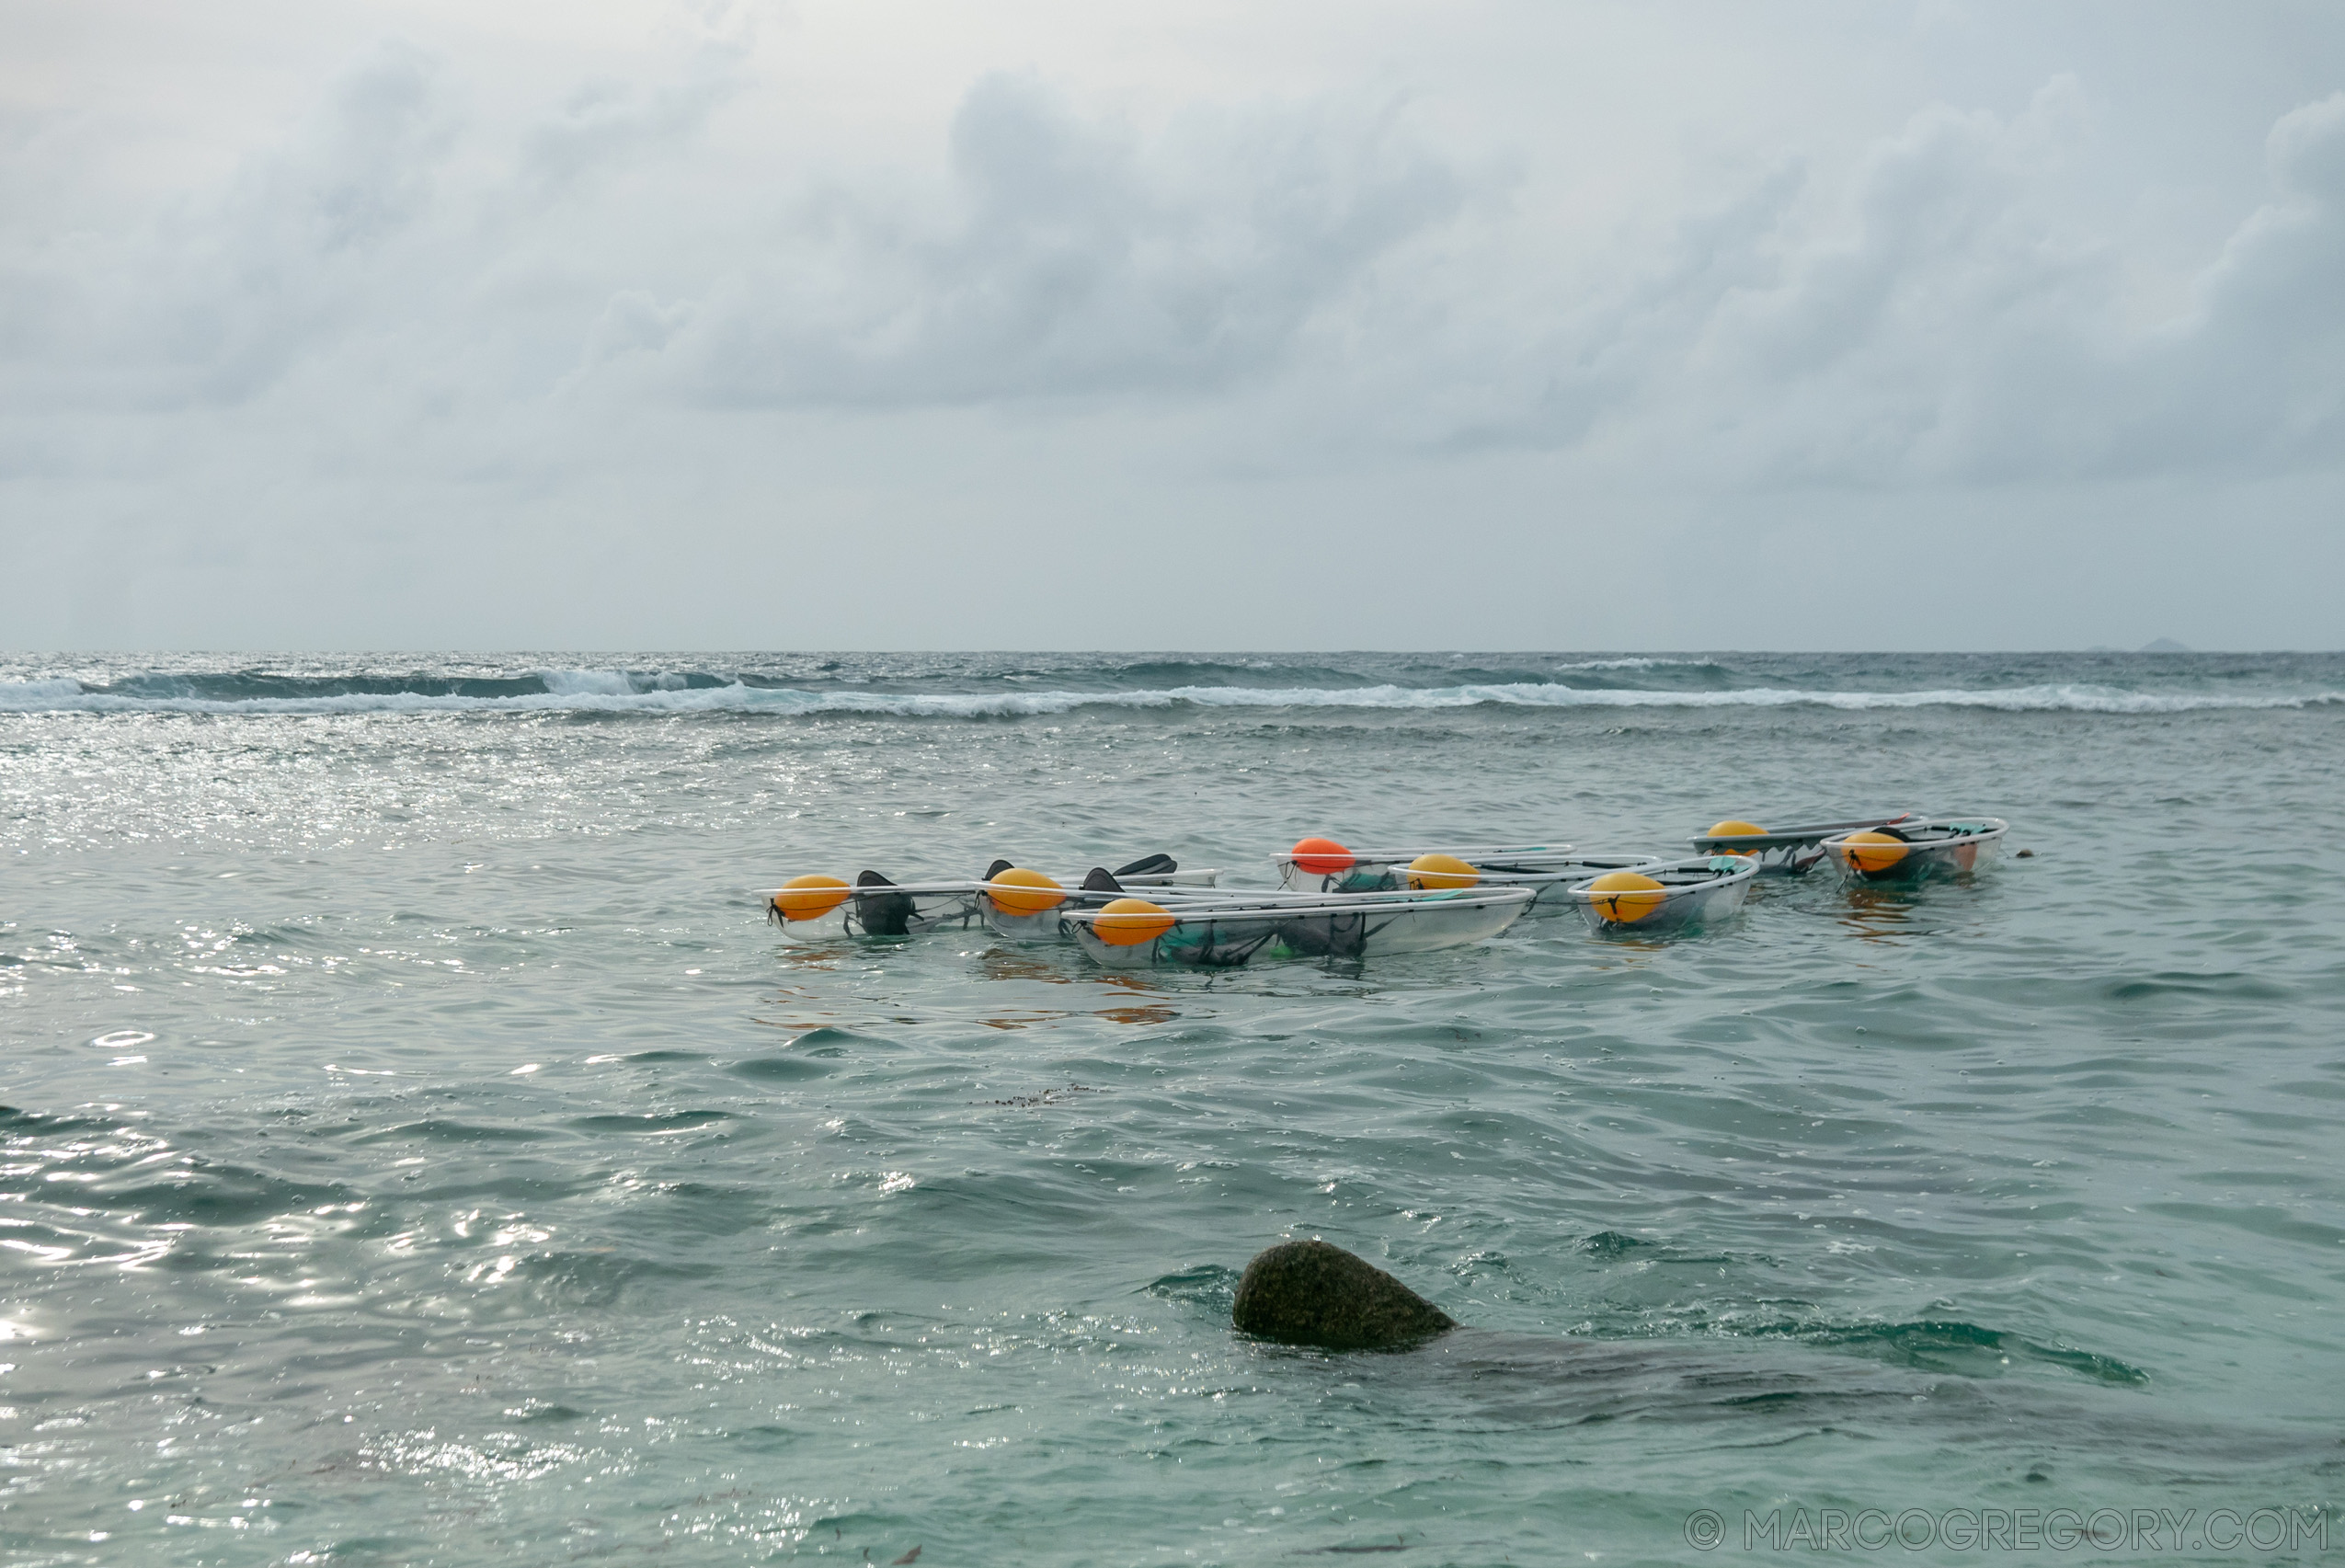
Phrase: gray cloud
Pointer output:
(1078, 258)
(610, 121)
(1942, 322)
(1937, 317)
(545, 308)
(2252, 375)
(215, 298)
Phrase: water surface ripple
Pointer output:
(417, 1150)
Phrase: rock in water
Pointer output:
(1311, 1293)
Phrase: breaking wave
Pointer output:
(620, 692)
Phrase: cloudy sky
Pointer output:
(1544, 324)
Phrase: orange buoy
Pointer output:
(1625, 898)
(1322, 857)
(1441, 871)
(1127, 923)
(1046, 894)
(810, 898)
(1733, 827)
(1872, 852)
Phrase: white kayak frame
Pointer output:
(1223, 933)
(1944, 845)
(1702, 890)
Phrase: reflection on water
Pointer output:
(1879, 912)
(1010, 964)
(1124, 997)
(1030, 964)
(1139, 1014)
(1875, 911)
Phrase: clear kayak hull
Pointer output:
(1696, 892)
(1549, 884)
(915, 910)
(1946, 847)
(1224, 935)
(1368, 871)
(1052, 925)
(1791, 852)
(920, 909)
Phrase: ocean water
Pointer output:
(419, 1150)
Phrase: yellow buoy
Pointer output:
(1872, 852)
(1046, 894)
(810, 898)
(1626, 897)
(1441, 871)
(1127, 923)
(1733, 827)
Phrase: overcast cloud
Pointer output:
(1392, 325)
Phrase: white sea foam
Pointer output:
(39, 696)
(1636, 663)
(614, 692)
(586, 683)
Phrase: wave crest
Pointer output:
(622, 692)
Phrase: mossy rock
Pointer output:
(1311, 1293)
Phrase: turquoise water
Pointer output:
(420, 1151)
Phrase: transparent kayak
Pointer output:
(1791, 852)
(1549, 886)
(1909, 851)
(1244, 929)
(826, 909)
(878, 907)
(1021, 911)
(1679, 894)
(1321, 865)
